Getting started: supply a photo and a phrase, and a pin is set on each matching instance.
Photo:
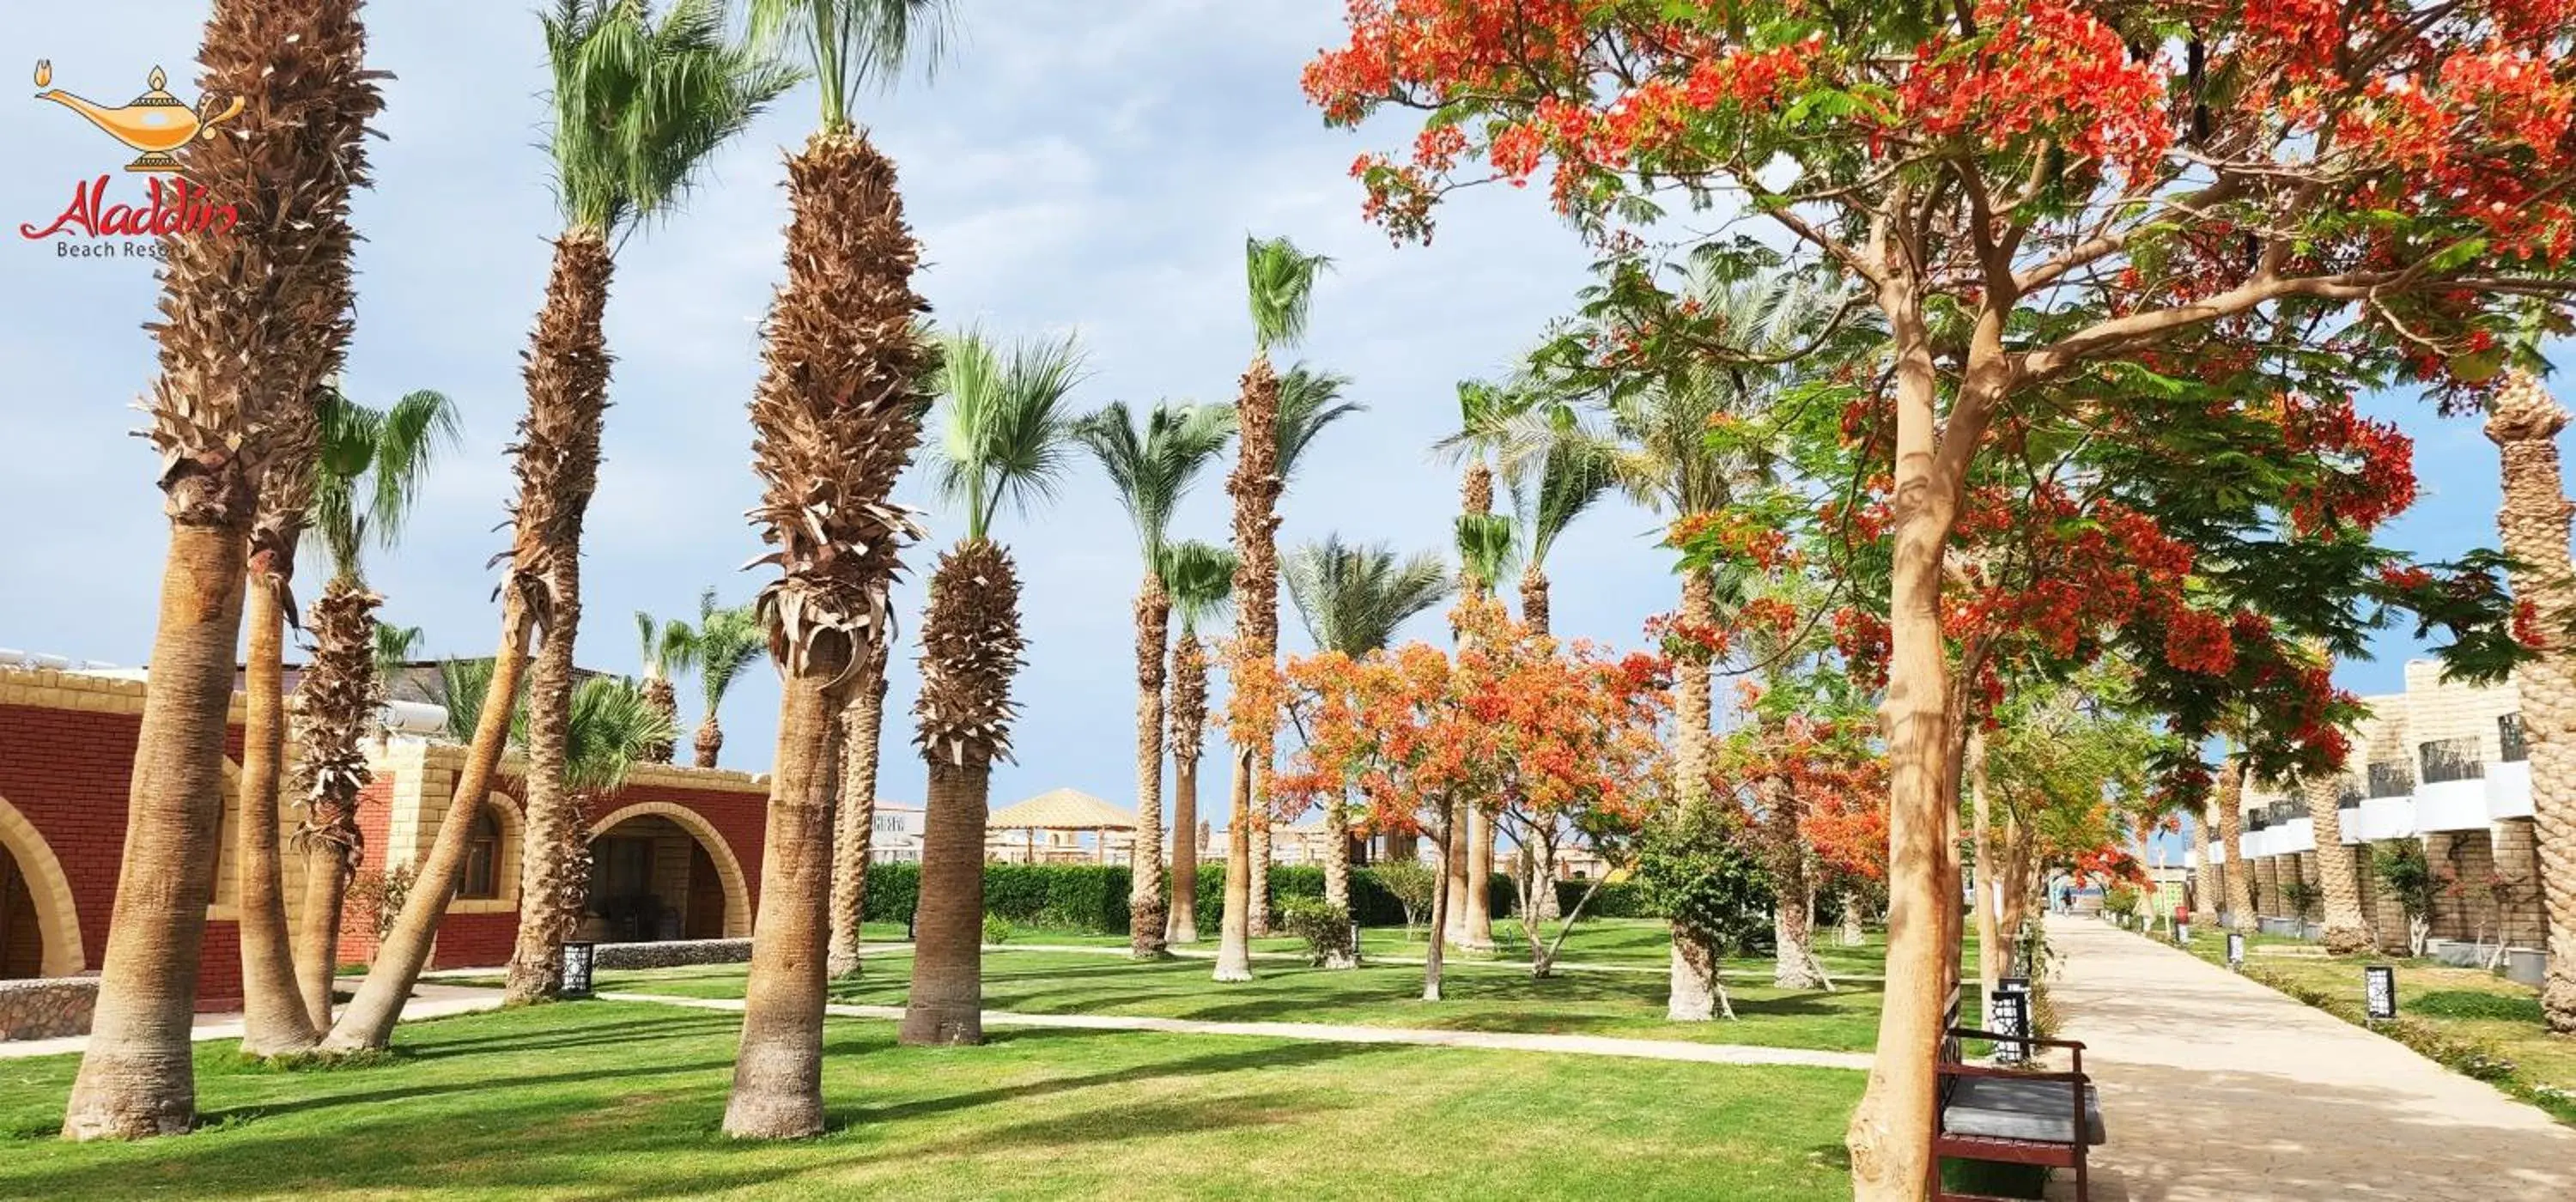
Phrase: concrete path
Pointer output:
(428, 1000)
(2219, 1089)
(1580, 1045)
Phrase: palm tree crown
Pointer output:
(611, 727)
(1153, 466)
(1309, 400)
(855, 43)
(666, 648)
(726, 641)
(366, 476)
(1486, 549)
(1008, 428)
(639, 103)
(1200, 577)
(1281, 282)
(1352, 598)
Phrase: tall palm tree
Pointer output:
(1564, 482)
(1486, 547)
(835, 418)
(1152, 466)
(1351, 600)
(666, 648)
(726, 641)
(366, 481)
(855, 813)
(611, 728)
(1280, 280)
(2523, 421)
(1006, 438)
(250, 323)
(1200, 578)
(639, 105)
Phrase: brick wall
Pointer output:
(2517, 860)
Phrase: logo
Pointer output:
(155, 124)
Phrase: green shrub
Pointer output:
(1093, 897)
(1325, 928)
(997, 929)
(2472, 1003)
(1617, 899)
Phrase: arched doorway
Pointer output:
(658, 871)
(39, 930)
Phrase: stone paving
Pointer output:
(2217, 1089)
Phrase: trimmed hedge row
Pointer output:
(1093, 897)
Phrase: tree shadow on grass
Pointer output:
(677, 1026)
(1295, 1055)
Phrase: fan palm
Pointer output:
(1280, 282)
(1006, 439)
(835, 418)
(639, 105)
(666, 649)
(726, 641)
(251, 323)
(1200, 578)
(1152, 466)
(1352, 599)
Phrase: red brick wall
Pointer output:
(358, 930)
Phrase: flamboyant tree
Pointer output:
(2033, 196)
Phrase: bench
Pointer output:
(2010, 1115)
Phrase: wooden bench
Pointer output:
(2011, 1115)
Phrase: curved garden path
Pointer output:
(2216, 1088)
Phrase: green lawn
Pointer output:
(605, 1100)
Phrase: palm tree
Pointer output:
(251, 322)
(2523, 420)
(666, 648)
(1200, 579)
(1352, 599)
(726, 641)
(1486, 546)
(1280, 281)
(835, 418)
(1152, 466)
(366, 481)
(854, 819)
(639, 105)
(1567, 479)
(611, 728)
(1005, 442)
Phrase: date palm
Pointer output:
(1280, 282)
(1351, 600)
(1487, 546)
(666, 648)
(638, 105)
(250, 323)
(1152, 465)
(2523, 421)
(1564, 480)
(1200, 578)
(727, 640)
(835, 418)
(366, 481)
(1006, 439)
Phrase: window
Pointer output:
(2509, 736)
(2453, 759)
(482, 861)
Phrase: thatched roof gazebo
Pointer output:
(1068, 810)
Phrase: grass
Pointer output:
(600, 1100)
(2469, 1019)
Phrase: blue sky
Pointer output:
(1089, 168)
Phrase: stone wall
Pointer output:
(46, 1007)
(2469, 858)
(674, 953)
(2524, 921)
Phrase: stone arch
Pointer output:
(57, 916)
(737, 893)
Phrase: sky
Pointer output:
(1072, 168)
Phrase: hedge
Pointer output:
(1093, 897)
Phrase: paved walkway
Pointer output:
(428, 1000)
(1580, 1045)
(2219, 1089)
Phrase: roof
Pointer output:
(1061, 810)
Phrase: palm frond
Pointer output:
(853, 44)
(609, 729)
(640, 104)
(381, 453)
(394, 647)
(1009, 429)
(728, 641)
(462, 686)
(408, 441)
(1572, 475)
(1352, 598)
(1153, 466)
(1486, 547)
(1281, 282)
(1309, 400)
(1200, 578)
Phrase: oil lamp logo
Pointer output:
(155, 124)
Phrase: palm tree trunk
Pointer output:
(137, 1077)
(2231, 830)
(553, 881)
(663, 700)
(1534, 612)
(2346, 933)
(854, 836)
(1188, 725)
(1234, 940)
(338, 698)
(1691, 998)
(1145, 913)
(274, 1020)
(778, 1072)
(2204, 893)
(1855, 930)
(1480, 879)
(1337, 853)
(1453, 875)
(1257, 893)
(1793, 920)
(709, 742)
(2524, 425)
(946, 1005)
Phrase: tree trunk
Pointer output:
(337, 701)
(1534, 599)
(1480, 879)
(1696, 994)
(1443, 901)
(854, 819)
(1337, 853)
(1257, 898)
(947, 1001)
(137, 1077)
(553, 860)
(1793, 919)
(274, 1020)
(2231, 830)
(1691, 694)
(1990, 951)
(778, 1073)
(2204, 891)
(1453, 869)
(662, 700)
(1145, 913)
(1855, 930)
(1189, 727)
(709, 742)
(368, 1022)
(2524, 425)
(2346, 933)
(1543, 866)
(1234, 939)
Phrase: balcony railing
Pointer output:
(2453, 759)
(2391, 778)
(2348, 794)
(2509, 734)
